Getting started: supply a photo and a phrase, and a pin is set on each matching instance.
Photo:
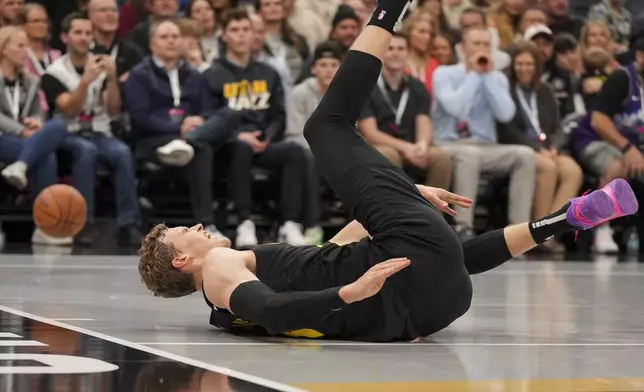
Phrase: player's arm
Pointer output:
(229, 284)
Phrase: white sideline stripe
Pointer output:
(22, 343)
(218, 369)
(321, 343)
(9, 335)
(72, 319)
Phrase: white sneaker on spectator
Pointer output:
(176, 153)
(604, 242)
(314, 235)
(40, 238)
(16, 174)
(246, 235)
(291, 233)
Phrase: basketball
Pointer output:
(60, 211)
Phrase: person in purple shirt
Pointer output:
(607, 140)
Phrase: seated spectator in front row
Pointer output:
(598, 65)
(469, 98)
(606, 140)
(557, 54)
(537, 124)
(255, 91)
(169, 106)
(327, 58)
(396, 120)
(83, 90)
(25, 142)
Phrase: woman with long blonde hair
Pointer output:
(419, 31)
(595, 34)
(26, 143)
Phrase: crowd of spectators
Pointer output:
(514, 89)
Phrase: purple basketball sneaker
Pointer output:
(612, 201)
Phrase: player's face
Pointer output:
(325, 69)
(80, 36)
(239, 36)
(396, 56)
(194, 241)
(16, 49)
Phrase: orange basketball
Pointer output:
(60, 211)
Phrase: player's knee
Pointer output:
(321, 123)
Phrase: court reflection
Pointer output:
(173, 377)
(39, 357)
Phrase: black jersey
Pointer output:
(286, 268)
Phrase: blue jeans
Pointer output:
(86, 152)
(37, 152)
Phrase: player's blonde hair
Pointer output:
(156, 269)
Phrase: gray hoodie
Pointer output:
(304, 99)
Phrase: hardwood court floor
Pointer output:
(533, 326)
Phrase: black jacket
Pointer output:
(255, 92)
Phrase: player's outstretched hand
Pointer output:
(441, 199)
(371, 282)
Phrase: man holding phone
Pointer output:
(470, 98)
(82, 89)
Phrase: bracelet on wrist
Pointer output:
(626, 148)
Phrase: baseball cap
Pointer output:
(537, 30)
(327, 50)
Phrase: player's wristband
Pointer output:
(626, 148)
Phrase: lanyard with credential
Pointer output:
(402, 105)
(14, 100)
(173, 75)
(36, 63)
(532, 111)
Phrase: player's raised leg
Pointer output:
(496, 247)
(369, 186)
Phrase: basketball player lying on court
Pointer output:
(396, 273)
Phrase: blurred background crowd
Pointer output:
(192, 111)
